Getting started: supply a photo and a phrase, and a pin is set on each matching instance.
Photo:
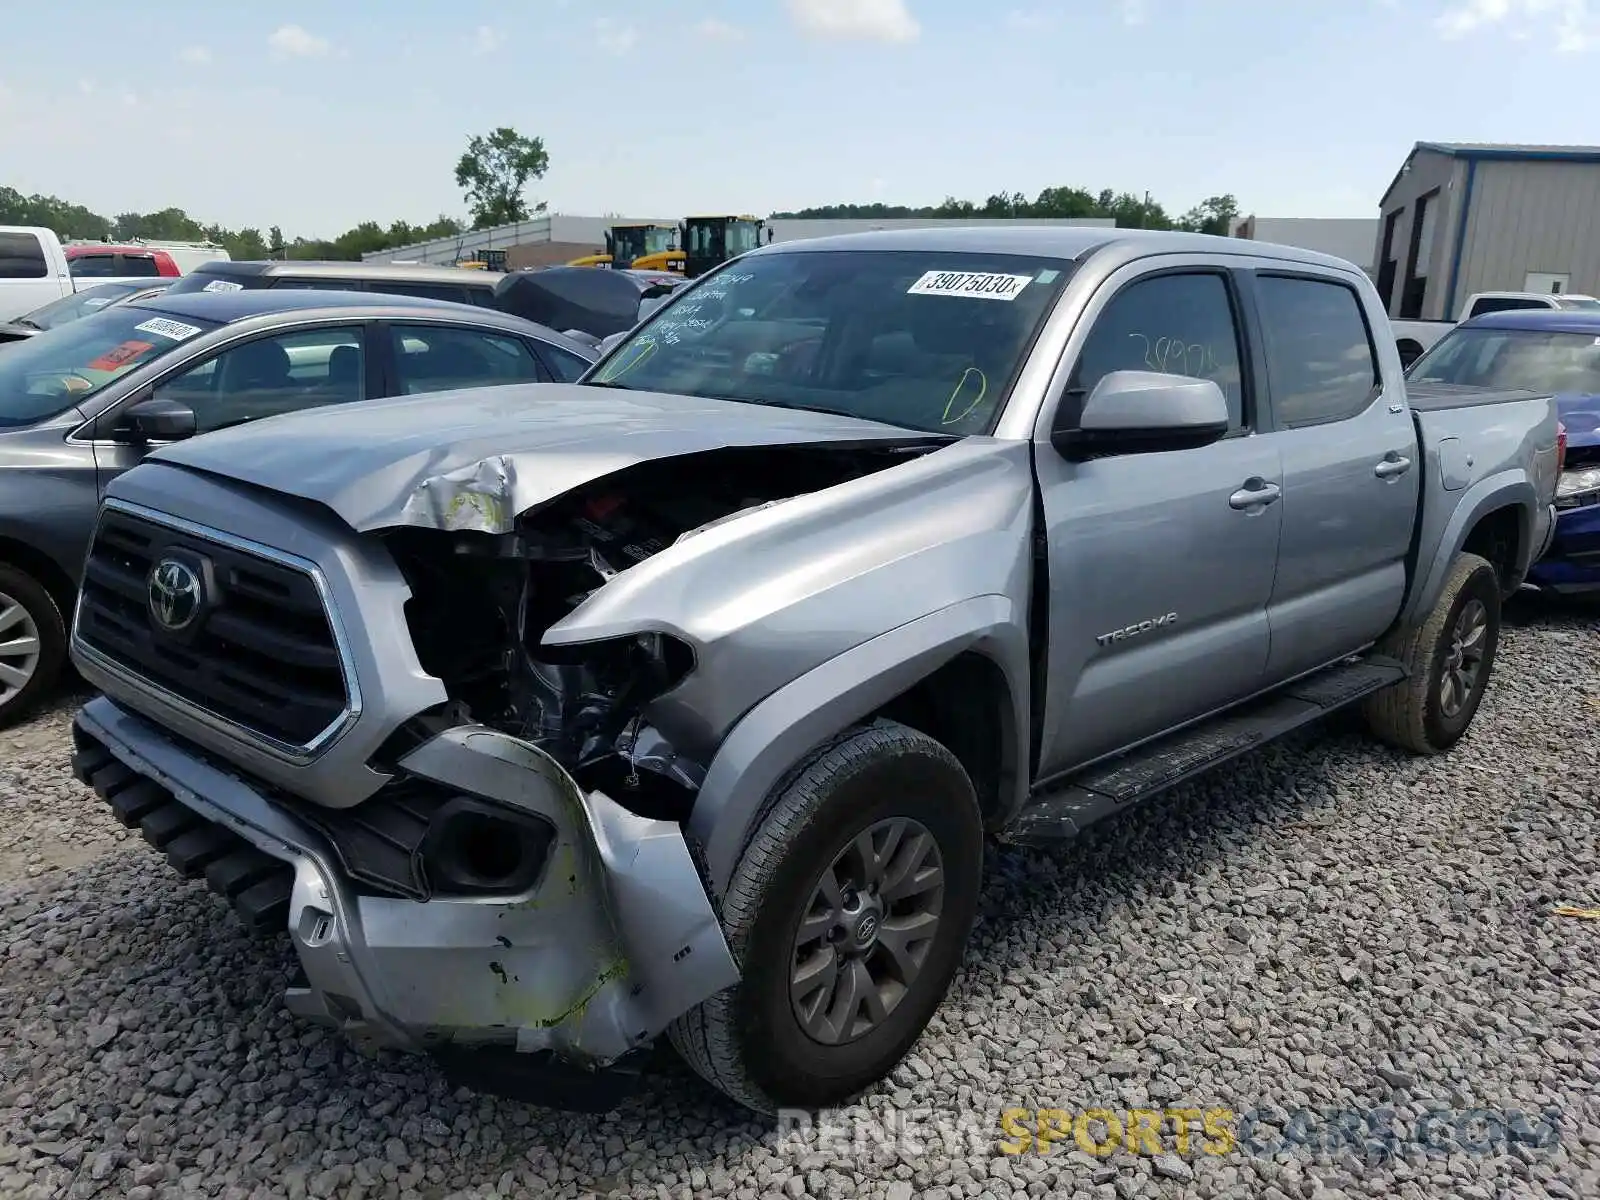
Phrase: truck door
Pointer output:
(1350, 472)
(1161, 563)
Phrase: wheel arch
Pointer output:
(915, 673)
(1497, 513)
(50, 574)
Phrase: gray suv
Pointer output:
(82, 403)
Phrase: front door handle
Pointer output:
(1257, 493)
(1392, 466)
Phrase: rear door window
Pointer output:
(21, 257)
(437, 358)
(93, 266)
(139, 266)
(1320, 360)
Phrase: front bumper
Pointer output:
(615, 940)
(1570, 562)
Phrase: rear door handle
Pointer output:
(1392, 466)
(1256, 493)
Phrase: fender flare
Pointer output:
(1505, 489)
(778, 732)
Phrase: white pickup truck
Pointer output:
(33, 269)
(1414, 337)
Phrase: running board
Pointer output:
(1064, 809)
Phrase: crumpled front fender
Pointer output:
(618, 938)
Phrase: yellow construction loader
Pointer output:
(626, 244)
(706, 242)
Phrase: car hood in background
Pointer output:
(476, 460)
(1580, 413)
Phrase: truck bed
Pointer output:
(1435, 397)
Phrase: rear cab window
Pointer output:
(22, 257)
(93, 266)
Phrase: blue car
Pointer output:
(1542, 350)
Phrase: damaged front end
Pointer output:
(505, 883)
(560, 932)
(486, 591)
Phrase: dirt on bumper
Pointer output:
(615, 939)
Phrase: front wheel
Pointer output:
(848, 914)
(1449, 658)
(33, 644)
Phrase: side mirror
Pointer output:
(611, 340)
(158, 421)
(1142, 412)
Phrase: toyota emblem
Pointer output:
(174, 595)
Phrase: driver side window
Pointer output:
(272, 375)
(1180, 324)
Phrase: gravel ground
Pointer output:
(1326, 928)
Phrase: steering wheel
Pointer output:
(66, 383)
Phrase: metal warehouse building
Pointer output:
(1461, 218)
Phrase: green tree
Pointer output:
(274, 242)
(1213, 215)
(494, 171)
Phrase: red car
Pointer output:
(102, 261)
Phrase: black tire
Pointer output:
(748, 1040)
(45, 615)
(1412, 714)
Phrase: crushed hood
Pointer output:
(477, 459)
(1580, 413)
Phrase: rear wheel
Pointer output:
(847, 914)
(33, 644)
(1450, 657)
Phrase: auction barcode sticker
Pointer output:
(976, 285)
(223, 285)
(176, 330)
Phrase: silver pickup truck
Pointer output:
(683, 700)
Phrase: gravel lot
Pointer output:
(1328, 926)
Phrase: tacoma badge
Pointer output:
(1134, 630)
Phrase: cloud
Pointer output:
(615, 37)
(486, 40)
(1571, 24)
(856, 20)
(719, 31)
(1134, 12)
(297, 42)
(195, 56)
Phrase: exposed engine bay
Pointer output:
(482, 602)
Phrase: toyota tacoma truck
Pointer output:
(683, 701)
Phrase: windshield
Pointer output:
(79, 304)
(1584, 302)
(1534, 360)
(922, 339)
(48, 374)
